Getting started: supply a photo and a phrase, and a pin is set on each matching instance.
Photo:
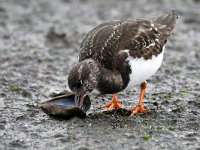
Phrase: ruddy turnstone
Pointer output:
(121, 54)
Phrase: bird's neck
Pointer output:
(109, 81)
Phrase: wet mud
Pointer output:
(39, 44)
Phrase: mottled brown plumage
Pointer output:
(108, 39)
(113, 47)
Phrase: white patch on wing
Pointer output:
(80, 69)
(152, 25)
(143, 69)
(127, 51)
(152, 44)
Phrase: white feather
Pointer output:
(143, 69)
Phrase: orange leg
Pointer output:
(114, 104)
(139, 106)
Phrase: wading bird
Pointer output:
(118, 55)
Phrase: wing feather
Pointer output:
(143, 38)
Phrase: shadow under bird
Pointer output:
(118, 55)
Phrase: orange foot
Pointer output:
(137, 109)
(114, 104)
(139, 106)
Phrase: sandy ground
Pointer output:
(39, 44)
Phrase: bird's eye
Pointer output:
(79, 84)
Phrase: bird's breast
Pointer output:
(143, 69)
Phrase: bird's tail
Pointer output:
(167, 20)
(165, 23)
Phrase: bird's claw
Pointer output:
(137, 109)
(117, 104)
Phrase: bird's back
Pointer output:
(102, 43)
(143, 38)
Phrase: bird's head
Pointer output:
(83, 79)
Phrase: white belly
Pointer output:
(143, 69)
